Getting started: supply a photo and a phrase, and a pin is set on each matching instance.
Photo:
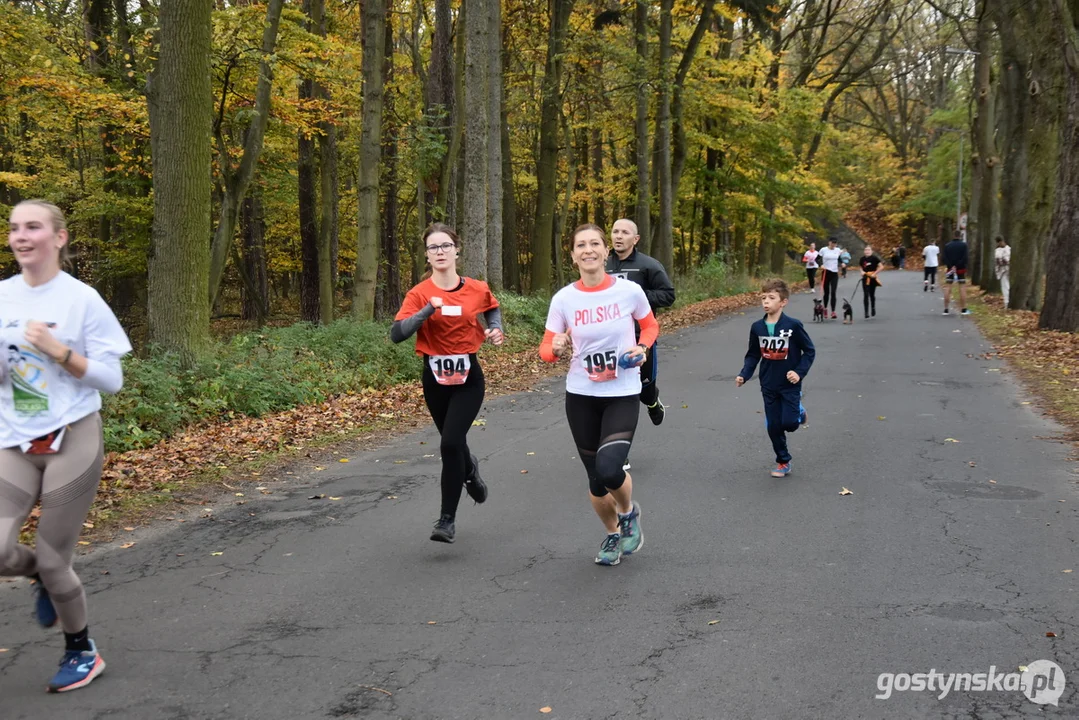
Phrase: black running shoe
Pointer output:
(474, 484)
(444, 530)
(656, 411)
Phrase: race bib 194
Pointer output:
(601, 366)
(450, 369)
(774, 348)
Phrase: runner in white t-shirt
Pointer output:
(829, 260)
(810, 260)
(592, 321)
(62, 347)
(931, 253)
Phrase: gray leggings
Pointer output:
(66, 483)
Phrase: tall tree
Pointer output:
(328, 197)
(477, 95)
(494, 144)
(643, 212)
(663, 250)
(373, 14)
(1061, 309)
(178, 94)
(546, 175)
(235, 179)
(307, 196)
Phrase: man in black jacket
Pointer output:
(955, 260)
(625, 262)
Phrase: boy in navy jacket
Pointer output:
(782, 347)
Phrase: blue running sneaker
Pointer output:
(77, 670)
(43, 607)
(609, 552)
(632, 539)
(782, 470)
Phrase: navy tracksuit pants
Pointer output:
(782, 414)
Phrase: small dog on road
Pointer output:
(848, 313)
(818, 310)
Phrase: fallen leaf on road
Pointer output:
(130, 529)
(1022, 668)
(713, 622)
(1066, 571)
(432, 622)
(524, 472)
(239, 494)
(316, 497)
(1050, 634)
(993, 481)
(391, 497)
(343, 460)
(845, 491)
(319, 467)
(881, 417)
(530, 453)
(83, 542)
(334, 498)
(950, 440)
(3, 649)
(399, 462)
(427, 456)
(479, 421)
(1060, 501)
(545, 710)
(972, 463)
(685, 406)
(216, 554)
(1025, 402)
(125, 546)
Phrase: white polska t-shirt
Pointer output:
(37, 396)
(601, 329)
(829, 258)
(810, 259)
(931, 253)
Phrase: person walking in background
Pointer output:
(809, 259)
(902, 252)
(64, 349)
(844, 262)
(931, 253)
(1003, 261)
(829, 258)
(956, 256)
(870, 264)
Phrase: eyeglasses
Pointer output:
(443, 248)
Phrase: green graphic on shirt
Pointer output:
(29, 386)
(28, 401)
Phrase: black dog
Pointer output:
(818, 310)
(848, 313)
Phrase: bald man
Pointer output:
(629, 264)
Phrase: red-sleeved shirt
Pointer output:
(453, 329)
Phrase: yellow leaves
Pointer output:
(83, 542)
(845, 491)
(479, 422)
(94, 46)
(881, 417)
(343, 460)
(546, 709)
(217, 553)
(125, 546)
(950, 440)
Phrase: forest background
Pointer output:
(247, 182)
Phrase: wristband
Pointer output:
(67, 356)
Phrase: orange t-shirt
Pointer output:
(453, 329)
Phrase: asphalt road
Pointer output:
(752, 598)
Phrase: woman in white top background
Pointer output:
(810, 260)
(63, 349)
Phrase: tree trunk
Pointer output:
(597, 177)
(1061, 309)
(328, 191)
(474, 227)
(1033, 71)
(255, 298)
(546, 174)
(440, 110)
(236, 180)
(373, 14)
(985, 159)
(178, 96)
(664, 249)
(678, 152)
(494, 145)
(644, 180)
(390, 267)
(307, 210)
(562, 226)
(511, 264)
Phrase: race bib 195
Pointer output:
(450, 369)
(601, 366)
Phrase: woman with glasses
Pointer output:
(443, 312)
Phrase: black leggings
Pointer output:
(453, 408)
(869, 297)
(931, 275)
(603, 429)
(811, 273)
(831, 287)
